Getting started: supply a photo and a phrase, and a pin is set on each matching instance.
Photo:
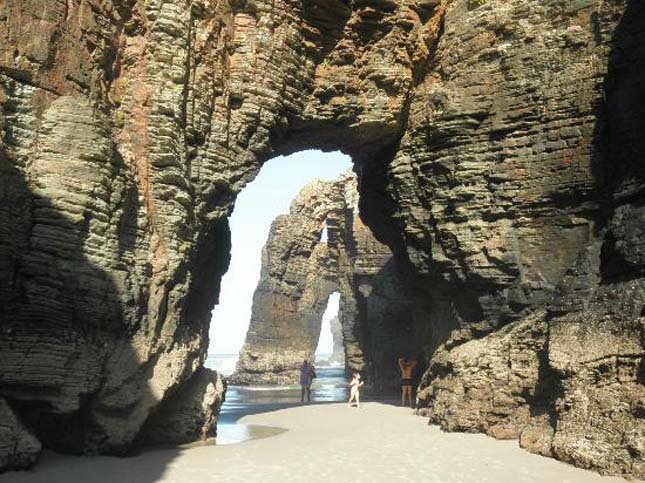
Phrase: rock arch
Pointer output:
(299, 273)
(498, 152)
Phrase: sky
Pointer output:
(269, 195)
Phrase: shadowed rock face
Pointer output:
(552, 377)
(19, 447)
(498, 152)
(189, 413)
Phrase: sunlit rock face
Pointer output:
(299, 273)
(338, 350)
(535, 200)
(300, 270)
(499, 154)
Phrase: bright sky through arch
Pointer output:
(269, 195)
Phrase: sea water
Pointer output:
(329, 386)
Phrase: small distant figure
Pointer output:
(407, 366)
(354, 390)
(307, 375)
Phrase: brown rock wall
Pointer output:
(498, 151)
(501, 131)
(574, 246)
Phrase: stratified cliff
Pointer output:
(127, 130)
(534, 200)
(299, 273)
(499, 154)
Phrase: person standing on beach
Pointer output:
(307, 374)
(312, 376)
(406, 366)
(354, 390)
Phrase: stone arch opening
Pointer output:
(299, 274)
(259, 203)
(301, 270)
(324, 235)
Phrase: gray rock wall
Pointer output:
(189, 414)
(19, 448)
(571, 186)
(498, 151)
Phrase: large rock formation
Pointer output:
(300, 270)
(19, 448)
(189, 414)
(541, 224)
(299, 273)
(568, 386)
(338, 349)
(499, 154)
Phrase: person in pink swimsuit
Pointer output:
(353, 390)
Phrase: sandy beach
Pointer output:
(322, 442)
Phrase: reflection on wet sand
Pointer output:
(330, 386)
(239, 433)
(236, 433)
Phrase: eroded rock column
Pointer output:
(299, 273)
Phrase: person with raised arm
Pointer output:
(354, 390)
(406, 366)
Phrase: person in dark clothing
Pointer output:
(307, 375)
(406, 366)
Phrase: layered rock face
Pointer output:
(536, 182)
(19, 448)
(127, 130)
(499, 155)
(300, 271)
(189, 413)
(569, 386)
(338, 349)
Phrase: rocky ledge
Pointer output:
(569, 387)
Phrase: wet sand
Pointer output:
(323, 442)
